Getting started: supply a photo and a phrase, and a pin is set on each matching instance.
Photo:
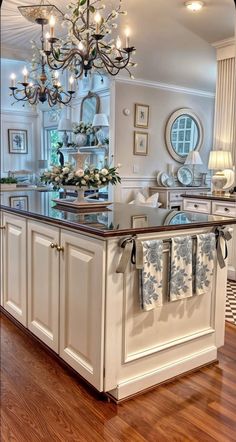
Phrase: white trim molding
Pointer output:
(225, 48)
(165, 86)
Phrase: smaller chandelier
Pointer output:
(41, 90)
(88, 46)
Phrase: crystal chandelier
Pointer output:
(41, 90)
(88, 46)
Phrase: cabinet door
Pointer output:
(14, 266)
(82, 271)
(43, 283)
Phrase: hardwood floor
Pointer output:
(42, 401)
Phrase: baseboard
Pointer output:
(166, 373)
(231, 273)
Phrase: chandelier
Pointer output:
(88, 46)
(41, 90)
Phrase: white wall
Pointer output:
(163, 103)
(17, 117)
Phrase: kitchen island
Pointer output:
(61, 283)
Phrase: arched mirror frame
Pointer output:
(88, 97)
(173, 117)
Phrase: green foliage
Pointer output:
(53, 146)
(8, 180)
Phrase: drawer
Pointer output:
(176, 196)
(225, 209)
(200, 206)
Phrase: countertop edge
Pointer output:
(111, 234)
(209, 197)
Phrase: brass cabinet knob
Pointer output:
(60, 249)
(53, 246)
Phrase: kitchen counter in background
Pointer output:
(223, 205)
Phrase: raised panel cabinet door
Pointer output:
(43, 283)
(82, 293)
(14, 267)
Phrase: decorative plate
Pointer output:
(163, 178)
(229, 173)
(185, 175)
(158, 178)
(170, 182)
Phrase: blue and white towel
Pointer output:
(181, 281)
(205, 263)
(151, 275)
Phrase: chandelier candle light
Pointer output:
(86, 47)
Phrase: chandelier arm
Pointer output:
(122, 65)
(18, 99)
(117, 9)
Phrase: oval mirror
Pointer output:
(184, 133)
(90, 106)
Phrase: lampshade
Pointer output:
(65, 125)
(193, 158)
(100, 120)
(220, 159)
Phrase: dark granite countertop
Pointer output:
(210, 196)
(118, 219)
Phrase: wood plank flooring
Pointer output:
(42, 401)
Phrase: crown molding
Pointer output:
(165, 86)
(224, 43)
(19, 112)
(225, 49)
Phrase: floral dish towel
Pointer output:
(151, 275)
(205, 263)
(181, 280)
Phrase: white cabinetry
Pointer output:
(43, 282)
(172, 197)
(14, 266)
(219, 208)
(82, 271)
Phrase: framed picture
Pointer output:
(140, 143)
(19, 202)
(17, 141)
(141, 115)
(139, 221)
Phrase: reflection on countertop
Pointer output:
(117, 219)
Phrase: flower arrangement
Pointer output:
(90, 177)
(83, 128)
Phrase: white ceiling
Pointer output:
(173, 44)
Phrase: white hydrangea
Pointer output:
(79, 173)
(65, 170)
(104, 172)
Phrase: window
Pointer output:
(52, 140)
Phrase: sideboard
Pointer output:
(215, 205)
(172, 197)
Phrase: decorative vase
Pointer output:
(80, 159)
(81, 140)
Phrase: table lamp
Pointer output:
(65, 126)
(219, 160)
(194, 159)
(99, 121)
